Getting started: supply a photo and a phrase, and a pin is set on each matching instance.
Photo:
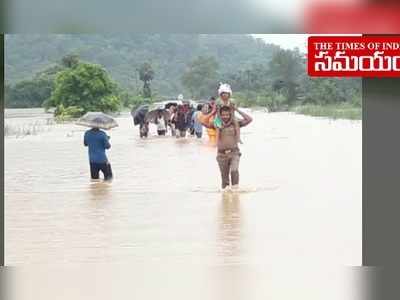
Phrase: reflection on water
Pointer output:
(99, 191)
(299, 205)
(230, 226)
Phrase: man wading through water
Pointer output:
(228, 153)
(97, 141)
(225, 92)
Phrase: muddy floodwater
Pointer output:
(294, 224)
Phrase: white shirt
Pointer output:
(161, 124)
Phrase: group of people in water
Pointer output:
(218, 116)
(179, 120)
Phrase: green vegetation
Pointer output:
(66, 114)
(201, 77)
(146, 74)
(130, 101)
(83, 87)
(283, 85)
(70, 70)
(28, 93)
(334, 111)
(122, 56)
(274, 101)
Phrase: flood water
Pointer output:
(295, 222)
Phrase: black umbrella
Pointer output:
(168, 104)
(97, 120)
(154, 110)
(151, 116)
(139, 114)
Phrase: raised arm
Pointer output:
(205, 119)
(246, 118)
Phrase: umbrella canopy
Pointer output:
(168, 104)
(139, 114)
(151, 116)
(157, 106)
(153, 111)
(97, 120)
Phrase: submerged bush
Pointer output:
(64, 114)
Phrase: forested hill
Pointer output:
(122, 55)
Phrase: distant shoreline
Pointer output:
(333, 111)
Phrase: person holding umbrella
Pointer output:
(98, 142)
(144, 129)
(139, 118)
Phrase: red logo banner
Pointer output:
(354, 56)
(377, 17)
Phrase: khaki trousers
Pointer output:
(229, 165)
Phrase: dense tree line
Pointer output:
(145, 68)
(279, 84)
(122, 54)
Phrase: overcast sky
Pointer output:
(286, 41)
(291, 41)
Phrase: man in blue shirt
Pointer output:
(97, 142)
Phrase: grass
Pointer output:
(336, 111)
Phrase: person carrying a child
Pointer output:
(225, 93)
(227, 136)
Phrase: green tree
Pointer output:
(323, 91)
(37, 91)
(28, 93)
(201, 77)
(50, 72)
(86, 86)
(146, 74)
(287, 67)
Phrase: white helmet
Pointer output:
(224, 88)
(180, 97)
